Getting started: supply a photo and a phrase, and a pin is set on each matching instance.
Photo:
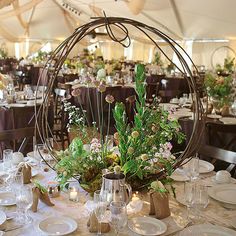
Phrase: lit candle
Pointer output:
(73, 194)
(135, 197)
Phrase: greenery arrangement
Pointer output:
(3, 53)
(220, 88)
(144, 146)
(227, 68)
(157, 186)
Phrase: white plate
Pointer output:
(3, 217)
(47, 157)
(179, 175)
(207, 230)
(7, 199)
(228, 120)
(225, 193)
(58, 225)
(147, 226)
(34, 172)
(212, 116)
(233, 221)
(204, 166)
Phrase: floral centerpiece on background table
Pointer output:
(144, 146)
(220, 90)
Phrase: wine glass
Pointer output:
(118, 215)
(24, 200)
(189, 196)
(100, 209)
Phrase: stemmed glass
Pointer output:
(189, 189)
(193, 168)
(233, 108)
(100, 209)
(118, 215)
(24, 200)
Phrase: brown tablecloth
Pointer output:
(90, 99)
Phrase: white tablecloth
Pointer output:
(214, 213)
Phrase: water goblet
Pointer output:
(118, 215)
(24, 200)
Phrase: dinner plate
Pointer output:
(224, 193)
(47, 157)
(147, 226)
(3, 217)
(7, 199)
(228, 120)
(34, 172)
(207, 230)
(204, 167)
(233, 221)
(58, 225)
(213, 116)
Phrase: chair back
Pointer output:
(221, 135)
(219, 154)
(17, 139)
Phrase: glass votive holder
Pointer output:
(54, 189)
(73, 194)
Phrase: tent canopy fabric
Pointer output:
(56, 19)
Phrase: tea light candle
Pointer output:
(135, 197)
(73, 194)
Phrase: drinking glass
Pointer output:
(109, 142)
(189, 196)
(24, 200)
(233, 108)
(7, 158)
(193, 168)
(100, 210)
(118, 215)
(16, 181)
(201, 199)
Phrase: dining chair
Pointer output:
(221, 135)
(152, 89)
(167, 95)
(218, 154)
(60, 131)
(17, 139)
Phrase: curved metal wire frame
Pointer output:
(63, 50)
(217, 49)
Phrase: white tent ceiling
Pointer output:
(181, 19)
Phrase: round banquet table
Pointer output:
(94, 102)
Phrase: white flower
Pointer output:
(101, 74)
